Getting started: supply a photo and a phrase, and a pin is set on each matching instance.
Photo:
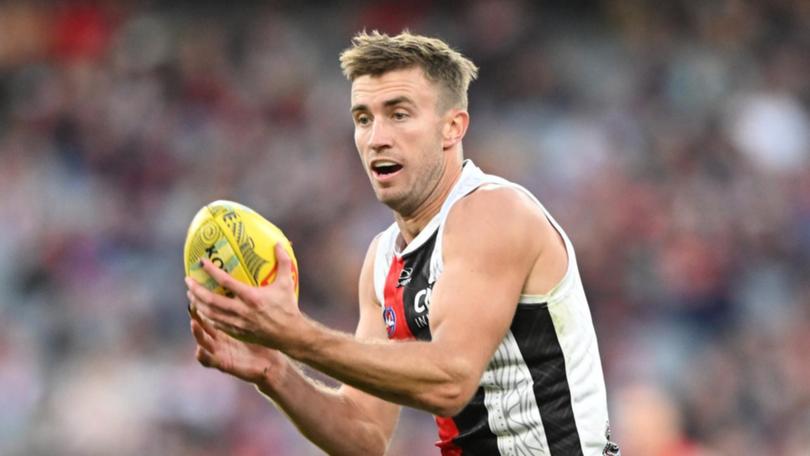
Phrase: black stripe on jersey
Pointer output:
(537, 339)
(474, 436)
(417, 289)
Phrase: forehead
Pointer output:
(409, 82)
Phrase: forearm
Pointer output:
(413, 373)
(325, 416)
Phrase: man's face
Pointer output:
(398, 133)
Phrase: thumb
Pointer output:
(286, 268)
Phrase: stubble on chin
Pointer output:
(399, 202)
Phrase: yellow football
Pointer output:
(239, 241)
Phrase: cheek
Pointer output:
(359, 142)
(419, 138)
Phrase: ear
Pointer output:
(455, 127)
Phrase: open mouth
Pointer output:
(385, 168)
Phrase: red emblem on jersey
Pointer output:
(394, 310)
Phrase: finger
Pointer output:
(210, 302)
(206, 325)
(206, 358)
(232, 329)
(201, 336)
(192, 308)
(219, 322)
(225, 279)
(285, 264)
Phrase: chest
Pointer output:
(406, 310)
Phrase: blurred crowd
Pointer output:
(670, 139)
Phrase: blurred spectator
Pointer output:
(653, 423)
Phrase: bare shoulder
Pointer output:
(372, 250)
(509, 200)
(504, 226)
(494, 219)
(505, 210)
(366, 279)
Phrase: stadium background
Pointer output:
(671, 139)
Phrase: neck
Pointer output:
(412, 224)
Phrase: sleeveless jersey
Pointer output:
(543, 391)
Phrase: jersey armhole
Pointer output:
(382, 262)
(570, 257)
(437, 259)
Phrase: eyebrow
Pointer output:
(387, 103)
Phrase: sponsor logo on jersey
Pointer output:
(421, 301)
(404, 277)
(421, 306)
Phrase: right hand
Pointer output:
(216, 349)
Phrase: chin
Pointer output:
(388, 200)
(392, 200)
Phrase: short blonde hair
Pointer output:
(376, 53)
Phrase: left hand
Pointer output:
(252, 363)
(265, 316)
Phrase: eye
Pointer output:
(399, 115)
(362, 119)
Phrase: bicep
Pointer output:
(488, 253)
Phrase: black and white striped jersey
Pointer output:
(543, 392)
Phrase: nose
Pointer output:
(379, 136)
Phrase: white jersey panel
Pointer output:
(513, 382)
(384, 255)
(513, 414)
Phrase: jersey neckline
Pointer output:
(467, 168)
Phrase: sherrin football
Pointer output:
(238, 240)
